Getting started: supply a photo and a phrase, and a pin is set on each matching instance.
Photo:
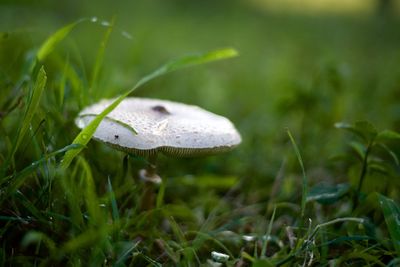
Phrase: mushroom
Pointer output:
(146, 127)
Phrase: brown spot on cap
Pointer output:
(161, 109)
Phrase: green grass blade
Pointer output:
(33, 105)
(100, 57)
(53, 40)
(189, 61)
(268, 234)
(20, 177)
(391, 212)
(63, 82)
(86, 134)
(204, 237)
(30, 207)
(305, 180)
(160, 196)
(130, 128)
(125, 253)
(91, 199)
(114, 206)
(85, 239)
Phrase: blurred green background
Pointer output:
(303, 65)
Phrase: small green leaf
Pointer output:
(86, 133)
(379, 166)
(367, 129)
(362, 129)
(391, 212)
(391, 153)
(359, 149)
(324, 194)
(387, 135)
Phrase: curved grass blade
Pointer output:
(86, 133)
(113, 120)
(38, 237)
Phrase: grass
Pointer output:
(64, 201)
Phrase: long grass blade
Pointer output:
(91, 199)
(114, 205)
(86, 133)
(33, 105)
(63, 82)
(100, 57)
(303, 170)
(268, 234)
(53, 40)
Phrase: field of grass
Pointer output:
(315, 182)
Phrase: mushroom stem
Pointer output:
(151, 179)
(149, 174)
(152, 166)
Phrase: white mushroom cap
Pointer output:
(162, 126)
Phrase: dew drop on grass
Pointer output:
(127, 35)
(105, 23)
(80, 123)
(94, 19)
